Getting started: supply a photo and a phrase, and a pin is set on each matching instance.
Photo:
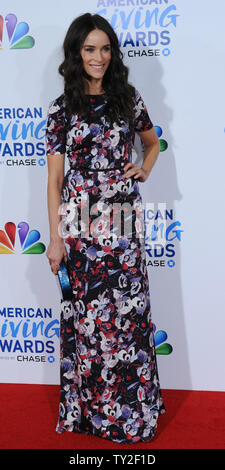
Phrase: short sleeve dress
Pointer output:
(109, 384)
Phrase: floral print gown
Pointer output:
(109, 378)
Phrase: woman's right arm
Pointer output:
(56, 250)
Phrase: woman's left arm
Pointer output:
(151, 152)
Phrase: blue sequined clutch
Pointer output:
(64, 281)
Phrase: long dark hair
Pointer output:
(120, 93)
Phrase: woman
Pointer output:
(109, 379)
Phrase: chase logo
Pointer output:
(17, 33)
(28, 239)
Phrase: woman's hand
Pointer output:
(136, 171)
(55, 253)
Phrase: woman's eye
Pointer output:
(90, 49)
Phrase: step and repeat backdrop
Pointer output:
(175, 54)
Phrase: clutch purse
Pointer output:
(64, 281)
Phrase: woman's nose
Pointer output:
(98, 55)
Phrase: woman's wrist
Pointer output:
(147, 173)
(56, 239)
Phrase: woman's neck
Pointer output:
(94, 87)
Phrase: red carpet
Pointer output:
(194, 420)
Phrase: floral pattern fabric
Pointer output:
(109, 377)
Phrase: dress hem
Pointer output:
(118, 441)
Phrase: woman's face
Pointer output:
(96, 53)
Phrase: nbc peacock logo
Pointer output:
(28, 239)
(163, 142)
(160, 337)
(17, 33)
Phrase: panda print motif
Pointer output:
(109, 382)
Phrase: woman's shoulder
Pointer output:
(138, 95)
(57, 104)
